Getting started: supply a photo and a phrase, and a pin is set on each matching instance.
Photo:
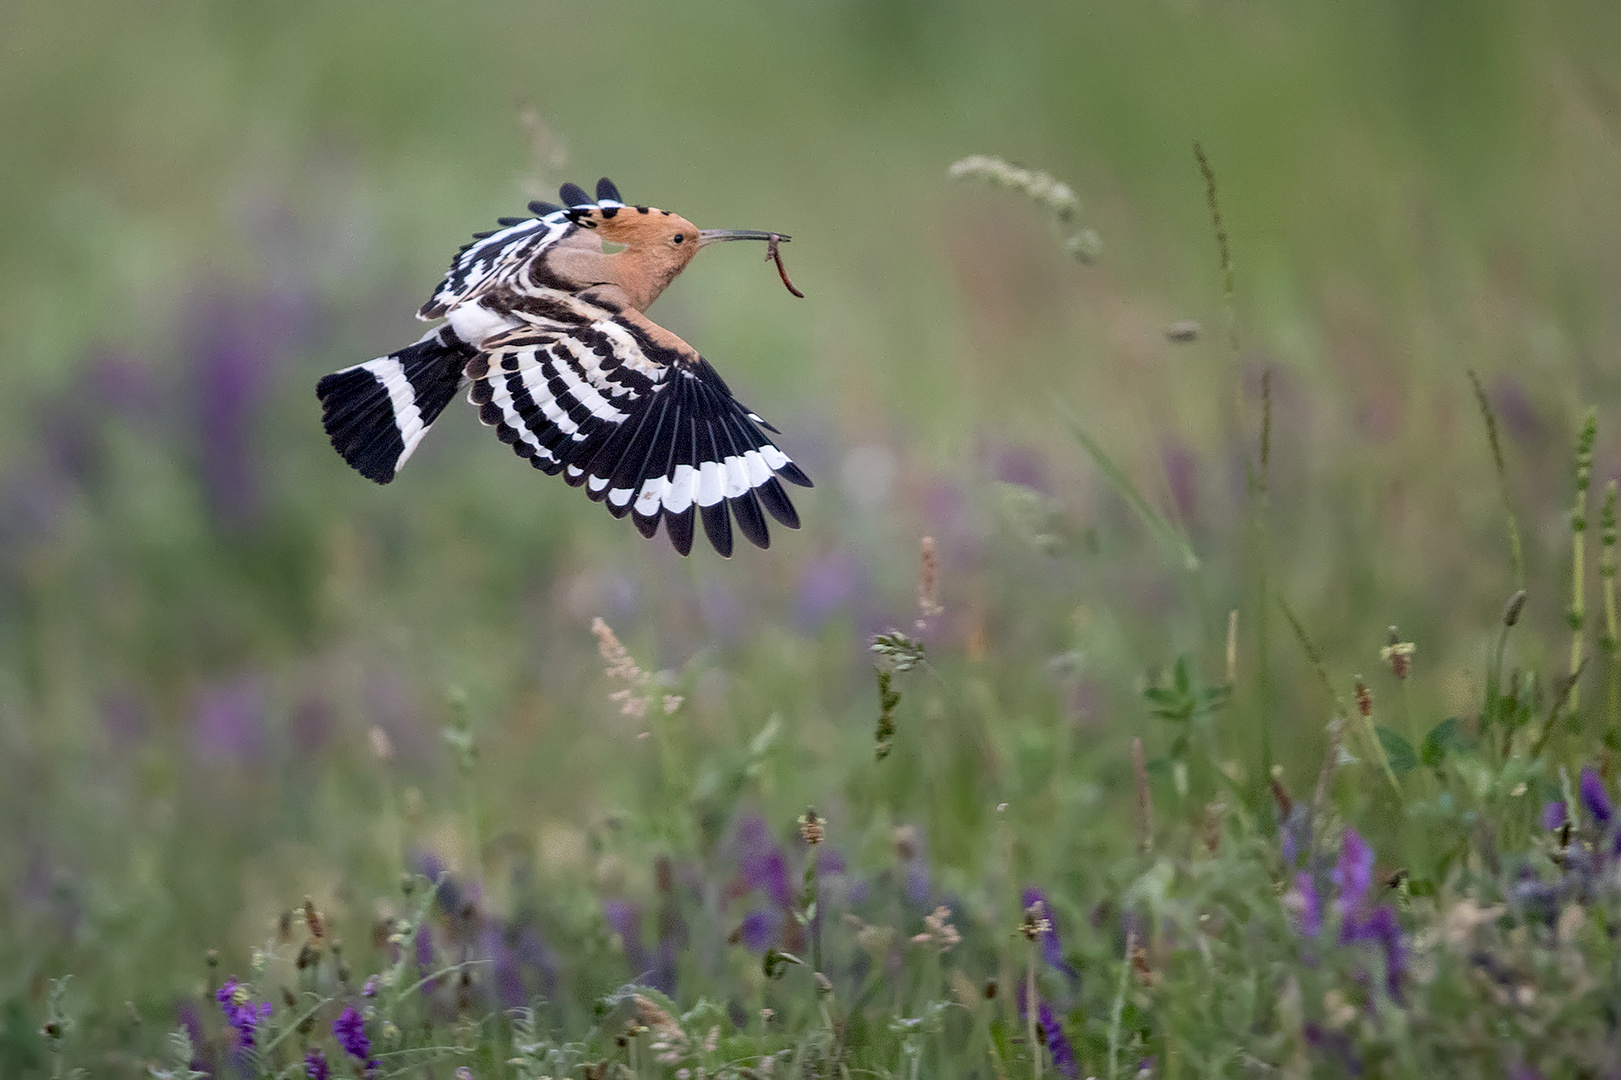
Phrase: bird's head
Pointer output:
(656, 244)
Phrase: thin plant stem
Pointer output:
(1516, 553)
(1611, 641)
(1223, 248)
(1494, 686)
(1118, 1009)
(1263, 672)
(1031, 1007)
(815, 910)
(1370, 737)
(1145, 798)
(1578, 546)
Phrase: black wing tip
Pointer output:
(573, 195)
(776, 502)
(607, 192)
(750, 522)
(540, 208)
(679, 528)
(718, 527)
(794, 475)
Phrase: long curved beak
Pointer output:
(710, 236)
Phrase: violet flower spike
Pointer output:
(241, 1014)
(350, 1031)
(1594, 798)
(1381, 928)
(1051, 1035)
(1311, 905)
(315, 1066)
(1353, 873)
(1052, 951)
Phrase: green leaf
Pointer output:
(1002, 1039)
(1163, 531)
(1398, 751)
(1443, 737)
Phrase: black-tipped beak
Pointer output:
(710, 236)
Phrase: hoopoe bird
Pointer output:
(547, 332)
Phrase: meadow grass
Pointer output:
(1071, 737)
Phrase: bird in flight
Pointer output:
(546, 331)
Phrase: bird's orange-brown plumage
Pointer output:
(657, 246)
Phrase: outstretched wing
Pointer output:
(501, 257)
(623, 407)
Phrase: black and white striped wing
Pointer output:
(653, 432)
(494, 259)
(504, 257)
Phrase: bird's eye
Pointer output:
(680, 237)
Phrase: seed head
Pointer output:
(1036, 922)
(811, 828)
(1398, 654)
(1515, 605)
(938, 931)
(313, 919)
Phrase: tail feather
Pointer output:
(377, 412)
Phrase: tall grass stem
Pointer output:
(1489, 418)
(1578, 550)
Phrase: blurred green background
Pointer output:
(203, 612)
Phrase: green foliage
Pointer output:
(224, 659)
(1398, 751)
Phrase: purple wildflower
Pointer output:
(241, 1013)
(761, 861)
(449, 892)
(1311, 905)
(230, 362)
(1052, 951)
(1352, 877)
(1295, 833)
(1381, 928)
(228, 720)
(625, 919)
(534, 955)
(1554, 815)
(1594, 798)
(1335, 1044)
(370, 989)
(506, 977)
(350, 1031)
(315, 1066)
(918, 886)
(1050, 1034)
(759, 929)
(1353, 873)
(192, 1021)
(424, 946)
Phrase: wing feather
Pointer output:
(623, 408)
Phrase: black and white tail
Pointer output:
(377, 412)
